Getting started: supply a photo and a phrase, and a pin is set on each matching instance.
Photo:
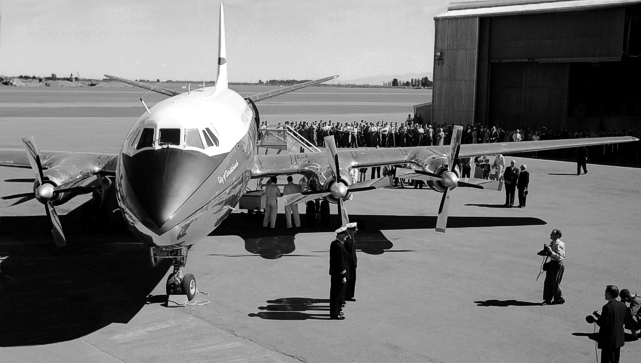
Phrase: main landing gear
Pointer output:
(177, 282)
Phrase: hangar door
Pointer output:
(528, 94)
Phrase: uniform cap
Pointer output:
(351, 225)
(341, 230)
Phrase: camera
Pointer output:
(545, 251)
(591, 319)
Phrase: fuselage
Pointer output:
(184, 165)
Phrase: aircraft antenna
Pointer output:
(144, 104)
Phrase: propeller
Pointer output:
(449, 179)
(44, 192)
(337, 189)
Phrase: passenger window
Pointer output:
(192, 138)
(213, 137)
(208, 139)
(169, 137)
(146, 139)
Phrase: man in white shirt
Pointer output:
(555, 269)
(291, 188)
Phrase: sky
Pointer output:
(178, 40)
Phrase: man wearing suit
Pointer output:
(522, 184)
(555, 270)
(581, 160)
(510, 177)
(339, 272)
(611, 336)
(350, 247)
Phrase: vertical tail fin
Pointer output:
(221, 82)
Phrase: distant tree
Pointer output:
(75, 79)
(157, 80)
(71, 77)
(425, 82)
(395, 82)
(260, 81)
(33, 77)
(54, 77)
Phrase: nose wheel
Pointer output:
(177, 284)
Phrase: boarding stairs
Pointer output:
(286, 139)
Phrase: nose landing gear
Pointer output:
(177, 283)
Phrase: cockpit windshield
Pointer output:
(146, 139)
(169, 137)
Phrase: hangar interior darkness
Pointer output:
(577, 68)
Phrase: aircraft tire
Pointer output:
(189, 286)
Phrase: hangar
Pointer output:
(539, 63)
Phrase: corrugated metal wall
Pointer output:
(453, 100)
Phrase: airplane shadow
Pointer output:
(505, 303)
(276, 243)
(595, 336)
(487, 205)
(294, 308)
(50, 295)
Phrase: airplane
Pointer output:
(187, 161)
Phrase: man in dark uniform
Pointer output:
(339, 272)
(522, 184)
(581, 160)
(350, 247)
(510, 177)
(611, 335)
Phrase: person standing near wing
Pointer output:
(271, 208)
(522, 185)
(291, 188)
(510, 176)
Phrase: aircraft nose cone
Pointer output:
(338, 190)
(44, 193)
(163, 180)
(450, 179)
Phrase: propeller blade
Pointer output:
(330, 144)
(34, 157)
(56, 227)
(16, 196)
(443, 212)
(455, 146)
(342, 213)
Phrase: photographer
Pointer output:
(633, 316)
(554, 269)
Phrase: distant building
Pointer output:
(514, 63)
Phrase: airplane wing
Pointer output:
(286, 164)
(162, 91)
(281, 91)
(84, 163)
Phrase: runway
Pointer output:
(468, 295)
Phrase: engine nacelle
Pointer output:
(56, 177)
(439, 166)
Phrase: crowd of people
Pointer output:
(415, 132)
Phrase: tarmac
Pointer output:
(469, 295)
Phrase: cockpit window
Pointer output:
(192, 138)
(134, 138)
(208, 139)
(213, 137)
(146, 139)
(169, 137)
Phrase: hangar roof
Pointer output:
(518, 7)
